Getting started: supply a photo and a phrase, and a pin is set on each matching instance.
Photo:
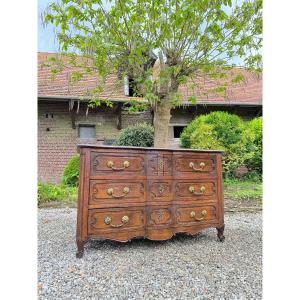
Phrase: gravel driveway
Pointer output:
(184, 267)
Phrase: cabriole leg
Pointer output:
(220, 230)
(80, 249)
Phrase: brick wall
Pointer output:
(133, 118)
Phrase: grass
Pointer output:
(48, 192)
(60, 194)
(243, 189)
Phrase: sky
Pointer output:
(46, 36)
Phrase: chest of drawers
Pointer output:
(128, 192)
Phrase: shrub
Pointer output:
(228, 128)
(71, 171)
(241, 141)
(205, 138)
(185, 137)
(139, 135)
(254, 163)
(52, 192)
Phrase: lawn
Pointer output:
(62, 195)
(242, 190)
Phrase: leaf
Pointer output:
(192, 99)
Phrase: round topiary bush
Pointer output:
(71, 171)
(139, 135)
(240, 140)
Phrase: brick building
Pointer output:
(63, 121)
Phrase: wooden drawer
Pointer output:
(194, 165)
(159, 216)
(116, 192)
(120, 164)
(193, 215)
(195, 190)
(115, 220)
(160, 190)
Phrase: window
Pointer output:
(177, 131)
(87, 131)
(130, 87)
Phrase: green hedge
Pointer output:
(139, 135)
(241, 140)
(71, 171)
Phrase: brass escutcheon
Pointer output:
(126, 164)
(110, 164)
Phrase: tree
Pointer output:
(187, 38)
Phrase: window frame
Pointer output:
(87, 125)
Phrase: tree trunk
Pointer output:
(162, 115)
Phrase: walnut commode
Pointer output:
(128, 192)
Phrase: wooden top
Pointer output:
(145, 148)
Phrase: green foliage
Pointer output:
(139, 135)
(255, 127)
(71, 171)
(241, 141)
(206, 138)
(185, 137)
(48, 192)
(243, 189)
(135, 106)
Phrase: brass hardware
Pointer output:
(203, 214)
(126, 164)
(110, 192)
(110, 164)
(126, 190)
(192, 190)
(201, 165)
(125, 220)
(107, 220)
(161, 188)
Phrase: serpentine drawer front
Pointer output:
(128, 192)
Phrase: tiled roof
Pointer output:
(248, 92)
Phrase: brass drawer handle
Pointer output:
(192, 190)
(125, 220)
(203, 214)
(192, 166)
(110, 192)
(110, 164)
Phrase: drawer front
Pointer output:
(193, 190)
(103, 191)
(115, 219)
(160, 216)
(117, 164)
(194, 215)
(160, 190)
(194, 165)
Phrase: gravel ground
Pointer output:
(185, 267)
